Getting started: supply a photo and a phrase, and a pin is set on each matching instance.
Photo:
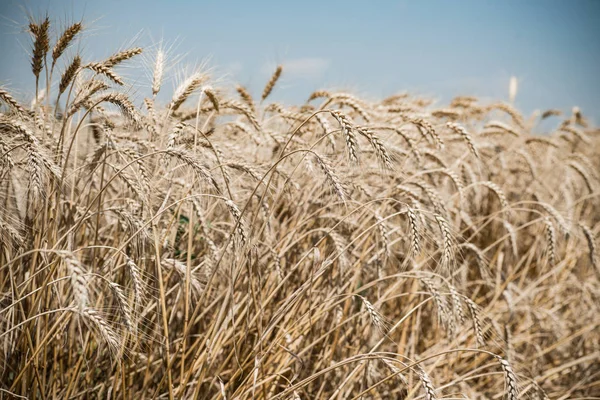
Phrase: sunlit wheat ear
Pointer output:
(512, 235)
(41, 45)
(159, 69)
(181, 269)
(542, 140)
(550, 113)
(143, 171)
(426, 382)
(516, 117)
(457, 304)
(440, 303)
(9, 232)
(69, 74)
(396, 371)
(124, 306)
(380, 150)
(383, 234)
(577, 133)
(415, 247)
(550, 240)
(102, 69)
(482, 263)
(318, 94)
(127, 108)
(583, 173)
(529, 161)
(326, 126)
(174, 135)
(587, 164)
(149, 103)
(8, 99)
(498, 192)
(241, 166)
(429, 129)
(591, 242)
(100, 324)
(577, 117)
(244, 110)
(465, 135)
(339, 244)
(432, 194)
(246, 97)
(240, 228)
(510, 379)
(456, 180)
(121, 56)
(463, 101)
(186, 88)
(376, 318)
(512, 88)
(37, 161)
(212, 96)
(332, 178)
(503, 127)
(475, 317)
(354, 104)
(272, 82)
(448, 247)
(276, 263)
(349, 136)
(65, 40)
(83, 98)
(188, 159)
(139, 289)
(562, 224)
(409, 141)
(79, 281)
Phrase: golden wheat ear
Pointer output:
(272, 82)
(63, 42)
(41, 45)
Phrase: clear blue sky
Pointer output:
(375, 48)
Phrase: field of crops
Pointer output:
(222, 246)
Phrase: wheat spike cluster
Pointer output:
(218, 245)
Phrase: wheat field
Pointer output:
(222, 246)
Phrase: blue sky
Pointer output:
(374, 48)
